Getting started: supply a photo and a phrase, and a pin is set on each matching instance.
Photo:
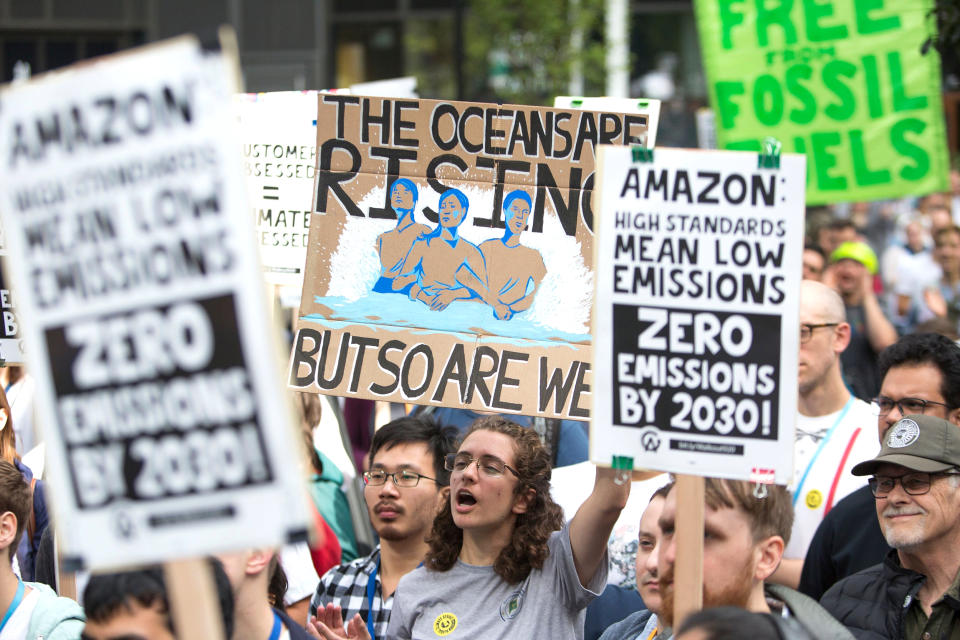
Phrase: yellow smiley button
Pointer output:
(814, 499)
(444, 624)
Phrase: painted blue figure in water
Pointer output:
(394, 245)
(440, 263)
(514, 272)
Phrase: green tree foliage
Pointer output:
(520, 51)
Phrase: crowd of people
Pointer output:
(468, 538)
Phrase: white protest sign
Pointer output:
(696, 324)
(279, 136)
(144, 312)
(11, 346)
(642, 106)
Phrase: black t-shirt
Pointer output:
(859, 360)
(847, 541)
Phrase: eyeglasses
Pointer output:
(402, 478)
(906, 405)
(914, 484)
(489, 465)
(806, 330)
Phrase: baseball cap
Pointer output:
(919, 443)
(859, 251)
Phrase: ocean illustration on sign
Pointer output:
(458, 277)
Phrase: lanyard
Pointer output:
(13, 605)
(371, 587)
(277, 627)
(823, 443)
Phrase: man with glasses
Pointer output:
(915, 593)
(920, 373)
(834, 429)
(404, 489)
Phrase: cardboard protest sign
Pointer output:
(450, 256)
(645, 106)
(144, 313)
(278, 131)
(843, 82)
(696, 324)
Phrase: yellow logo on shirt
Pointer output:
(444, 624)
(814, 498)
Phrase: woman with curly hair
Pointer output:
(501, 563)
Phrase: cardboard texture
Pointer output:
(144, 311)
(646, 107)
(695, 326)
(457, 224)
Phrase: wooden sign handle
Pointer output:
(192, 593)
(688, 571)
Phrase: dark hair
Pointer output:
(730, 623)
(8, 438)
(662, 491)
(927, 348)
(838, 224)
(811, 246)
(940, 233)
(277, 587)
(769, 516)
(440, 440)
(14, 497)
(527, 548)
(106, 593)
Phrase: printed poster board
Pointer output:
(843, 82)
(450, 258)
(645, 106)
(278, 131)
(144, 310)
(696, 324)
(11, 345)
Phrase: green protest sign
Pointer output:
(842, 81)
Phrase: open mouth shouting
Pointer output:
(464, 501)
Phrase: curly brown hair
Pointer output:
(527, 549)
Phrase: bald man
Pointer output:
(834, 429)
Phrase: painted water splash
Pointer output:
(560, 310)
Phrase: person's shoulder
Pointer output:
(363, 564)
(853, 586)
(54, 617)
(629, 627)
(809, 613)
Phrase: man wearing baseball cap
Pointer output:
(853, 265)
(915, 593)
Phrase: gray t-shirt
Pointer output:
(474, 602)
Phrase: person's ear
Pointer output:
(523, 500)
(258, 560)
(953, 415)
(767, 554)
(8, 529)
(443, 497)
(841, 337)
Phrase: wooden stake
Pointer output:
(688, 570)
(192, 593)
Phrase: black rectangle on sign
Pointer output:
(157, 403)
(695, 446)
(696, 371)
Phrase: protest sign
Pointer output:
(845, 83)
(144, 311)
(450, 256)
(11, 349)
(644, 106)
(278, 131)
(695, 328)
